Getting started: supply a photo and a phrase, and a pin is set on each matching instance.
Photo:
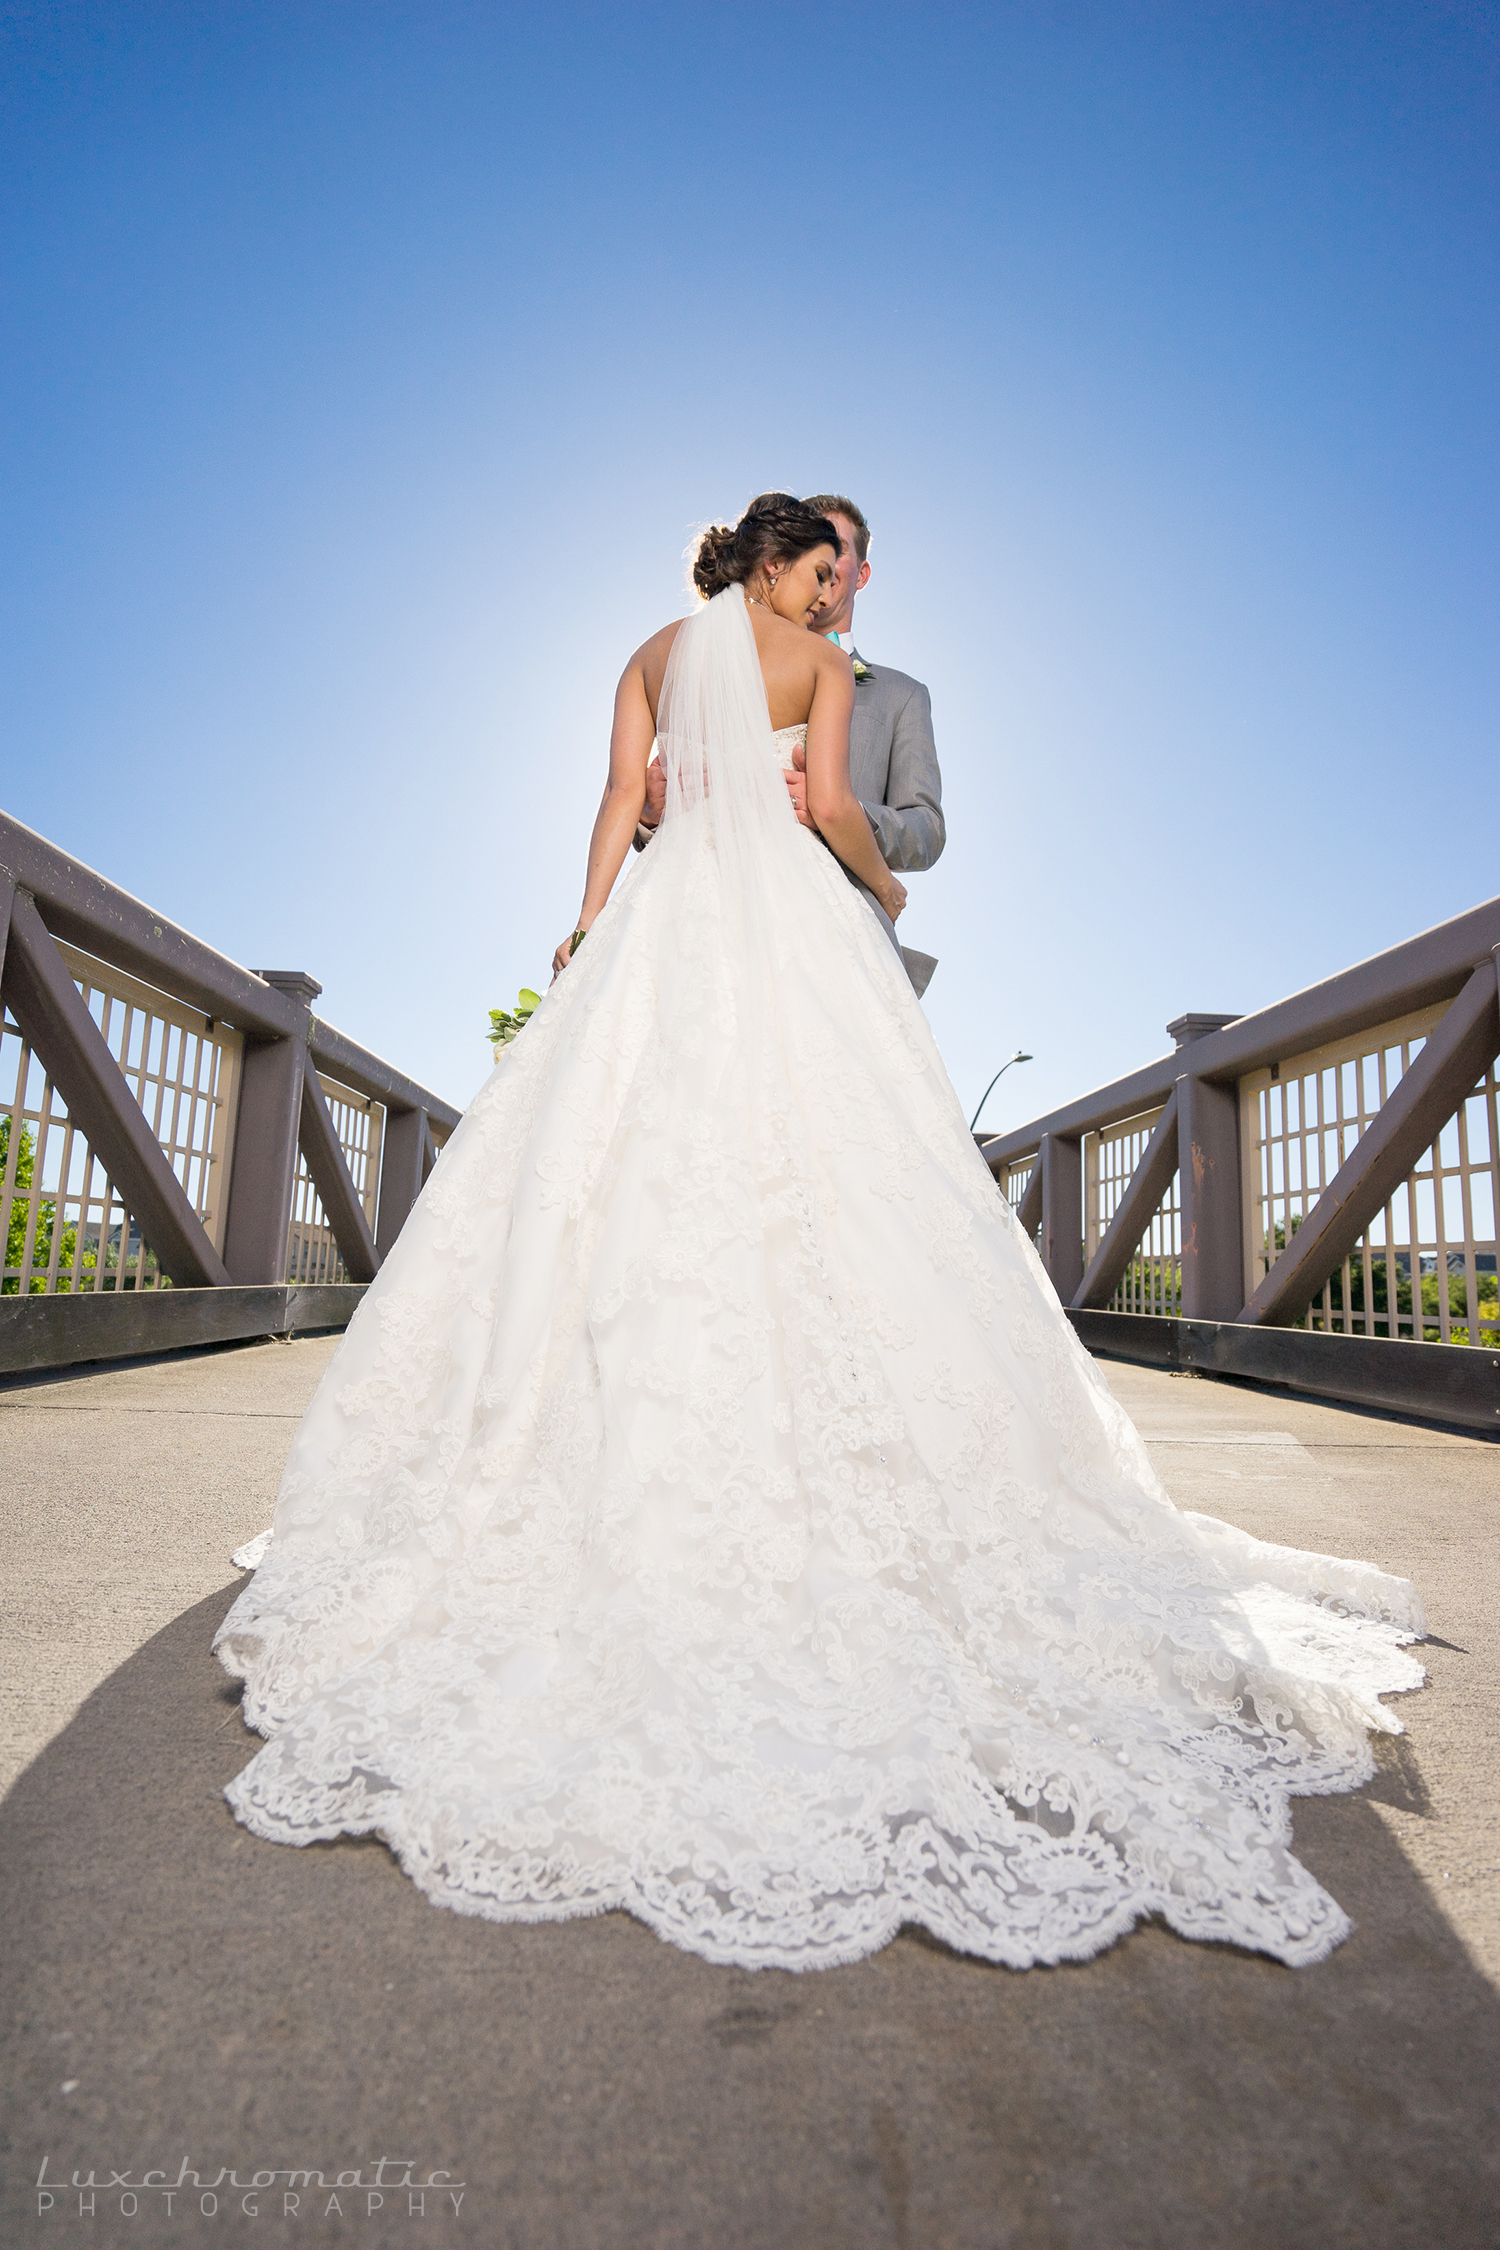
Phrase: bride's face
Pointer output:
(799, 586)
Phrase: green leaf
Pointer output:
(504, 1026)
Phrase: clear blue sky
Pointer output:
(367, 367)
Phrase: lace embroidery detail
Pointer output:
(710, 1513)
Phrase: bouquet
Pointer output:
(505, 1022)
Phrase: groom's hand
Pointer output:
(656, 795)
(796, 782)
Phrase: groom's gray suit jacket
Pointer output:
(893, 767)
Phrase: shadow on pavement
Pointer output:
(240, 2005)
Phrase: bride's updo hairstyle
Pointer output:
(773, 528)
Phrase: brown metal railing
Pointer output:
(171, 1118)
(1331, 1162)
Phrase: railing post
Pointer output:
(404, 1165)
(265, 1142)
(1208, 1143)
(1061, 1161)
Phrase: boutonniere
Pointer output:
(862, 671)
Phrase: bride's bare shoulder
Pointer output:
(830, 666)
(649, 662)
(785, 645)
(659, 647)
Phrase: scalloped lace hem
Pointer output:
(1302, 1940)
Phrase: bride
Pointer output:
(710, 1511)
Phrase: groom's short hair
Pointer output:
(836, 504)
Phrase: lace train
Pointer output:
(711, 1513)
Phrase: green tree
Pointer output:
(15, 1229)
(1432, 1287)
(46, 1220)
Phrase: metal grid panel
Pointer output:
(312, 1253)
(65, 1227)
(1015, 1179)
(1152, 1282)
(1425, 1268)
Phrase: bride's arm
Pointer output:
(630, 745)
(835, 809)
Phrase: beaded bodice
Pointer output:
(786, 740)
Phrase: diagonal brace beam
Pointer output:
(1029, 1209)
(1456, 1053)
(50, 1010)
(1134, 1212)
(7, 900)
(331, 1176)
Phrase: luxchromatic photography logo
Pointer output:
(394, 2187)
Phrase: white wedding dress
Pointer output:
(711, 1513)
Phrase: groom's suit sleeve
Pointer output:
(909, 826)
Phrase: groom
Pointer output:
(892, 757)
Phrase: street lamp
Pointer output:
(994, 1082)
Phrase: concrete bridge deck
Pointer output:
(178, 1991)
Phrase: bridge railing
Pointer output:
(171, 1121)
(1330, 1163)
